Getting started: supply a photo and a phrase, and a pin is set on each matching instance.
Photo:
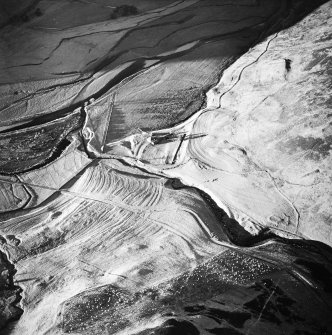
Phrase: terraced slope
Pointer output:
(165, 170)
(261, 147)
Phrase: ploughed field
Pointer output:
(165, 167)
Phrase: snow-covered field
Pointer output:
(165, 172)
